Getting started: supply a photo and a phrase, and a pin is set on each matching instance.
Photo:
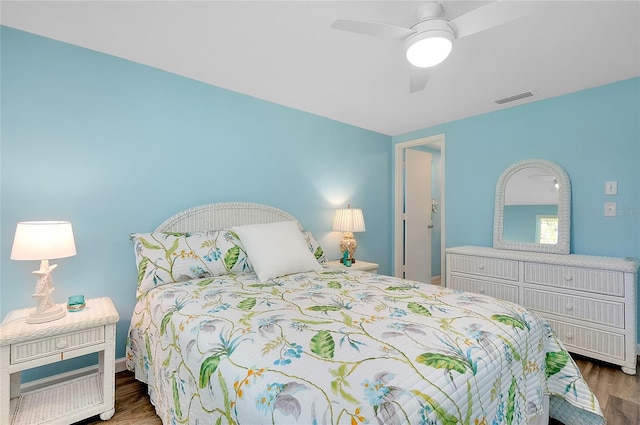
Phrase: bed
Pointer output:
(224, 332)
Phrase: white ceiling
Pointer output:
(287, 52)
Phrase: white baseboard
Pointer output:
(50, 380)
(121, 364)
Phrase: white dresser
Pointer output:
(589, 301)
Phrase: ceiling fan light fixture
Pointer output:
(431, 44)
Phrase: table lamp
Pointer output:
(348, 220)
(44, 240)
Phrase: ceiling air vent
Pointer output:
(514, 97)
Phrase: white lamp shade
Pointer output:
(43, 240)
(349, 220)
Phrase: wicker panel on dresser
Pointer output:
(589, 301)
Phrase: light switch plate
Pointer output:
(611, 188)
(609, 209)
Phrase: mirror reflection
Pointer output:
(531, 207)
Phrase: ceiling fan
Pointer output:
(429, 41)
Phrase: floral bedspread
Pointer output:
(336, 347)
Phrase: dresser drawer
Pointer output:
(22, 352)
(492, 289)
(590, 309)
(483, 266)
(595, 341)
(589, 280)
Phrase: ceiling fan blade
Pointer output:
(492, 15)
(418, 78)
(376, 29)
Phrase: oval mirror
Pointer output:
(533, 208)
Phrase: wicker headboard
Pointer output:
(223, 215)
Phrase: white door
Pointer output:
(417, 224)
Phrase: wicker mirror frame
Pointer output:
(564, 209)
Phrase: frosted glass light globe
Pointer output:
(429, 51)
(431, 43)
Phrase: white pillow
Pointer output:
(276, 249)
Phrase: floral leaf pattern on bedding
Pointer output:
(323, 344)
(555, 362)
(207, 368)
(347, 347)
(314, 247)
(443, 361)
(168, 257)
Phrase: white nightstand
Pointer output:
(358, 265)
(24, 346)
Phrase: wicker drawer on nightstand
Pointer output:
(482, 266)
(590, 309)
(22, 352)
(582, 279)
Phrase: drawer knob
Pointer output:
(569, 307)
(481, 266)
(568, 278)
(569, 336)
(61, 343)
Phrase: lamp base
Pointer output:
(349, 244)
(353, 260)
(48, 315)
(47, 310)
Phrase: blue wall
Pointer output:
(116, 147)
(593, 134)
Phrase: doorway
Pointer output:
(436, 143)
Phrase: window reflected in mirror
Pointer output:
(547, 229)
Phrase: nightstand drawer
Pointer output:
(590, 280)
(482, 266)
(597, 311)
(22, 352)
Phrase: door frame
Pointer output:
(398, 219)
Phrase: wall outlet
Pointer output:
(611, 188)
(609, 209)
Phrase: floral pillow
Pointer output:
(165, 257)
(314, 247)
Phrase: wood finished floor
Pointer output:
(617, 392)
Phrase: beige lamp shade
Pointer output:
(349, 220)
(43, 240)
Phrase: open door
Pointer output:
(417, 216)
(436, 145)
